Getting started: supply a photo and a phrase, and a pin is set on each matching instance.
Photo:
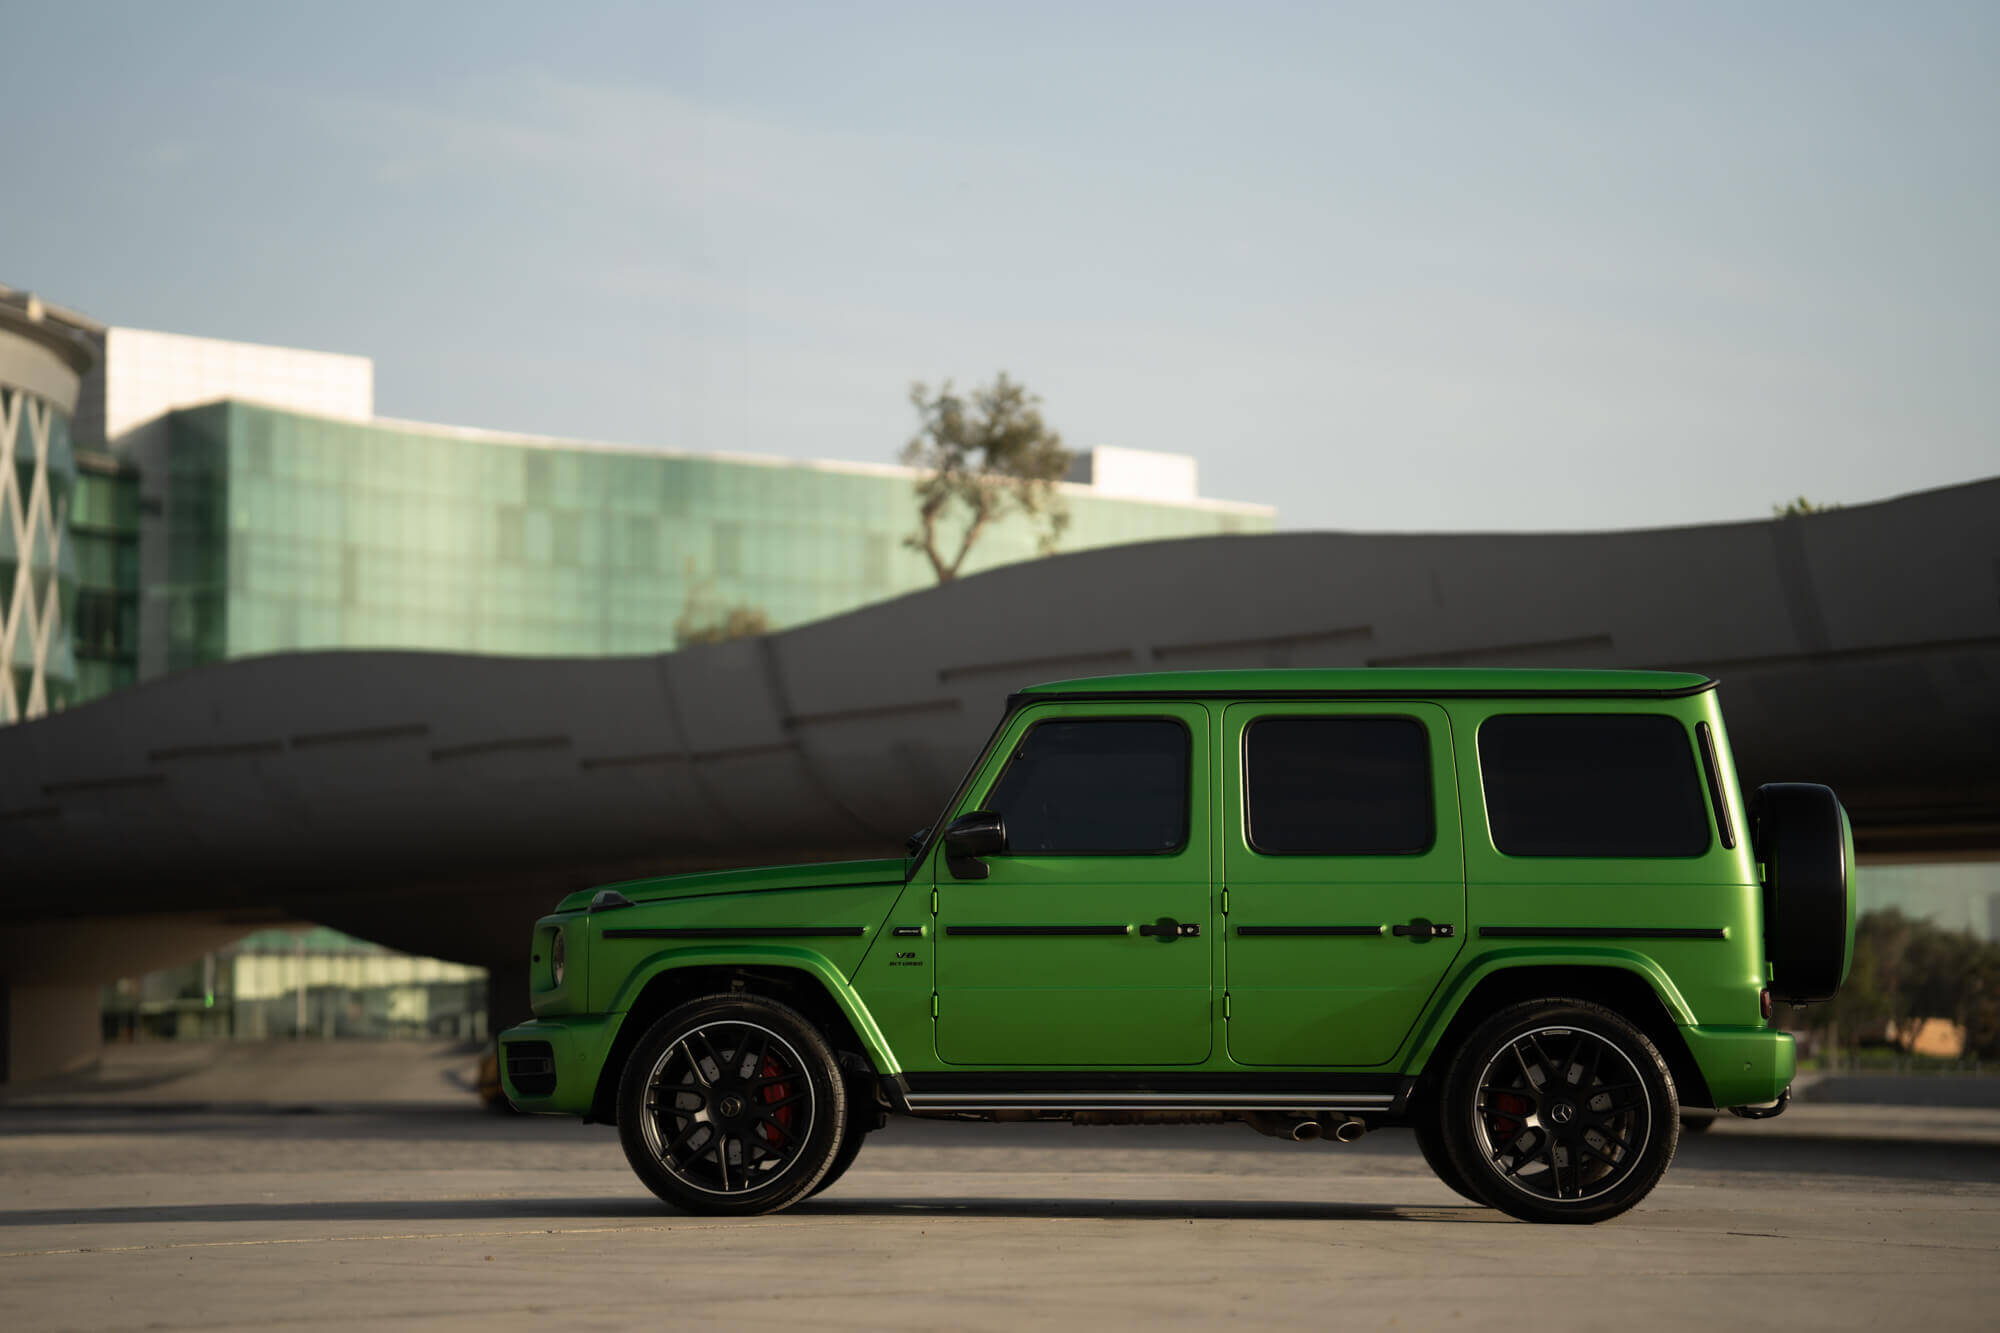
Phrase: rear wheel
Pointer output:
(732, 1104)
(1559, 1111)
(1430, 1141)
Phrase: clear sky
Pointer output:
(1389, 267)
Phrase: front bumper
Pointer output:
(551, 1065)
(1742, 1066)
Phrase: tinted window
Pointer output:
(1337, 786)
(1583, 785)
(1096, 786)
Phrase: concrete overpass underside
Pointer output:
(438, 803)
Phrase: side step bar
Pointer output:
(1149, 1101)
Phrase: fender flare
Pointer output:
(1446, 1009)
(814, 964)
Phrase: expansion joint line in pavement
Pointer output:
(393, 1235)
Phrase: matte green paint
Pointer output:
(1090, 1000)
(1320, 1000)
(1743, 1066)
(620, 965)
(892, 870)
(933, 1001)
(1490, 959)
(579, 1044)
(582, 1042)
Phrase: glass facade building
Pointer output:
(171, 501)
(38, 560)
(291, 531)
(104, 531)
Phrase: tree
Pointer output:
(701, 622)
(738, 622)
(1906, 970)
(982, 458)
(1799, 508)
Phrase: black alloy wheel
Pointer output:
(732, 1104)
(1560, 1111)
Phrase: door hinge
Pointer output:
(934, 1004)
(1225, 902)
(933, 902)
(1225, 1005)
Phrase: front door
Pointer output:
(1344, 877)
(1088, 941)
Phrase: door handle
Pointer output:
(1168, 930)
(1423, 929)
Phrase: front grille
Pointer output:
(531, 1067)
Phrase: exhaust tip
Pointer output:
(1347, 1131)
(1306, 1131)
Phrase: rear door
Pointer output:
(1344, 877)
(1088, 942)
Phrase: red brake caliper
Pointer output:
(1504, 1128)
(775, 1135)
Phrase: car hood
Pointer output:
(757, 879)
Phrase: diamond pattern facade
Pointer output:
(38, 574)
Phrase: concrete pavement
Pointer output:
(447, 1219)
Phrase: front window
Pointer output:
(1096, 786)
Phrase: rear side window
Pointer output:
(1096, 786)
(1337, 786)
(1611, 785)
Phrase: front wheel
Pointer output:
(732, 1104)
(1559, 1111)
(843, 1157)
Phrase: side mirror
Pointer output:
(969, 837)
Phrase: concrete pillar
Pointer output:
(48, 1030)
(52, 972)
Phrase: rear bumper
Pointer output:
(1742, 1066)
(550, 1065)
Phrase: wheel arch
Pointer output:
(1629, 984)
(804, 981)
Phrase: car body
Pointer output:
(1301, 899)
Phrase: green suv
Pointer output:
(1527, 914)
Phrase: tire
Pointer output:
(1430, 1142)
(843, 1157)
(1801, 834)
(732, 1105)
(1584, 1153)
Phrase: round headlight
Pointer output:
(556, 956)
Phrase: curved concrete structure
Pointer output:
(42, 349)
(438, 803)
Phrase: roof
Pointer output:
(1376, 682)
